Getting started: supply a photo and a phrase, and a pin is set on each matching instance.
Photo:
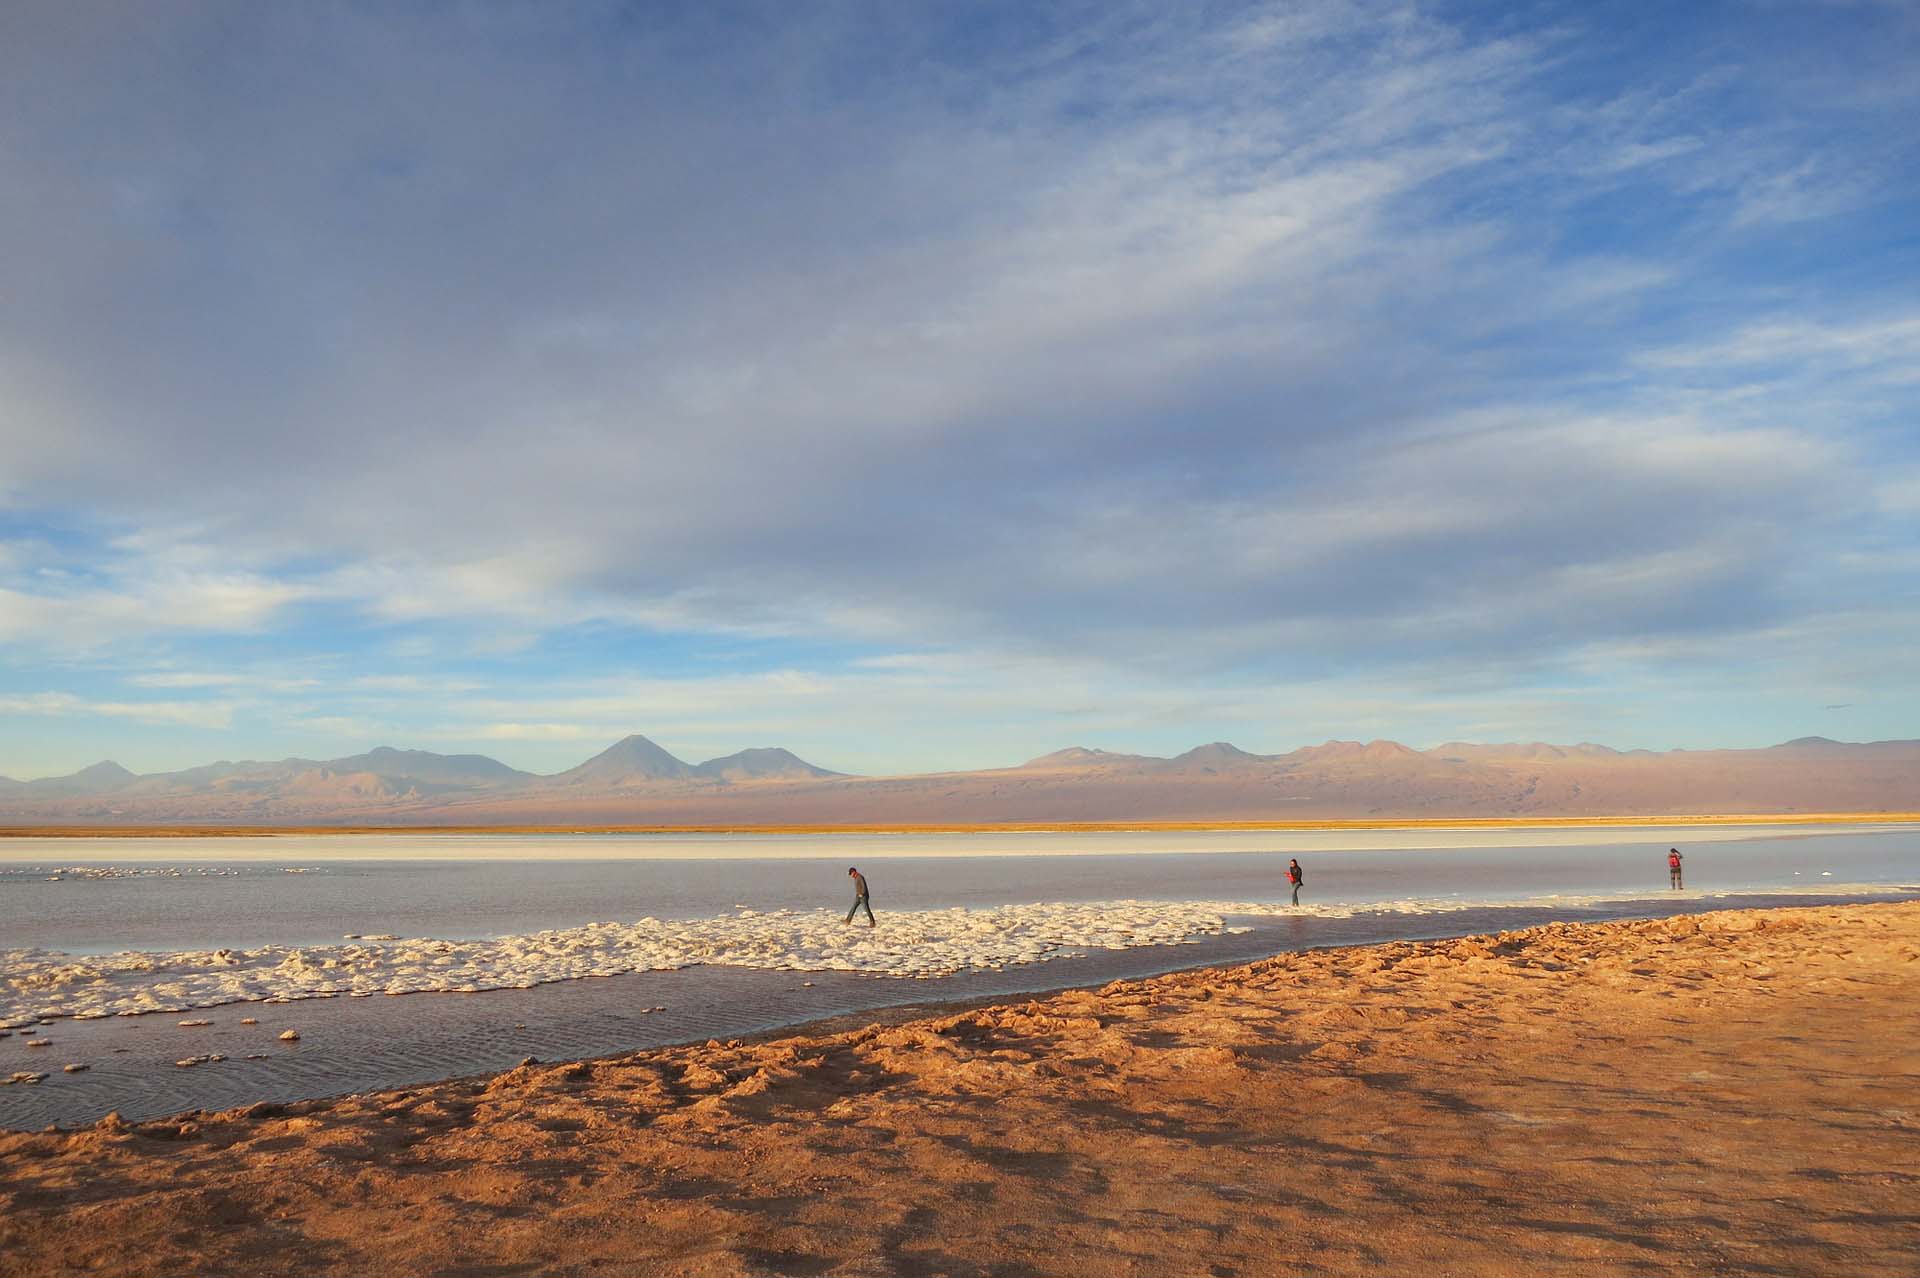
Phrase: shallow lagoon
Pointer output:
(170, 898)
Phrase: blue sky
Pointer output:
(931, 386)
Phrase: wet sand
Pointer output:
(1725, 1093)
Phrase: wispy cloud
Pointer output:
(213, 679)
(199, 714)
(78, 614)
(1885, 348)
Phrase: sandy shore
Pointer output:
(1333, 824)
(1728, 1093)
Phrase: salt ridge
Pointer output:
(911, 943)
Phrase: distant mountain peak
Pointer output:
(633, 746)
(104, 777)
(1330, 749)
(1217, 750)
(1077, 756)
(426, 766)
(632, 757)
(1214, 755)
(761, 763)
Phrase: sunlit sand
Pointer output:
(704, 843)
(1711, 1092)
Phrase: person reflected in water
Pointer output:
(1294, 877)
(860, 901)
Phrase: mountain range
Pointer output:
(636, 782)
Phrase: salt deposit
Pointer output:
(63, 873)
(37, 983)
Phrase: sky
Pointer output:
(934, 385)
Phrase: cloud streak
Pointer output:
(197, 714)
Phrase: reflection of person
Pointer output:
(1673, 866)
(1294, 877)
(859, 896)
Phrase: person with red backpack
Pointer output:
(1673, 866)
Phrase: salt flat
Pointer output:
(749, 845)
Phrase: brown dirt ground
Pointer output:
(1734, 1093)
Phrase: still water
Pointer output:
(214, 893)
(93, 898)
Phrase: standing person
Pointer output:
(860, 901)
(1294, 877)
(1673, 866)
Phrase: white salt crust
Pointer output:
(36, 984)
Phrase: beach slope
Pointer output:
(1727, 1093)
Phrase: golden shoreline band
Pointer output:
(1003, 827)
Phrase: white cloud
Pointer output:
(219, 679)
(86, 616)
(1887, 348)
(195, 714)
(144, 583)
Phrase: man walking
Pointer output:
(1294, 877)
(859, 896)
(1673, 866)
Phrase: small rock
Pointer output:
(530, 1060)
(23, 1076)
(39, 1042)
(75, 1068)
(249, 1020)
(257, 1056)
(193, 1024)
(289, 1036)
